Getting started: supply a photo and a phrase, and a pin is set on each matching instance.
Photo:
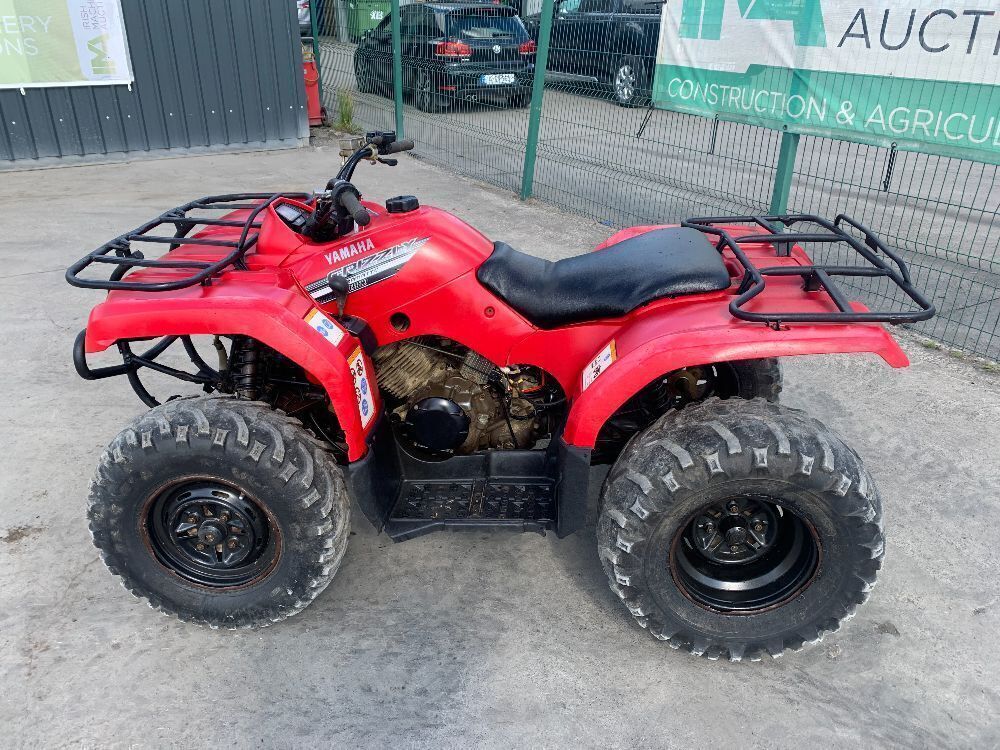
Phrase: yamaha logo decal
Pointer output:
(368, 270)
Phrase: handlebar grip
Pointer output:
(397, 146)
(350, 201)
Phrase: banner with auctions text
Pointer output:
(62, 43)
(921, 74)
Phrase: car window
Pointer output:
(486, 24)
(384, 28)
(642, 7)
(569, 6)
(410, 21)
(597, 6)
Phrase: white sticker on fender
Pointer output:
(322, 324)
(362, 387)
(599, 364)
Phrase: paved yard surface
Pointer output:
(462, 640)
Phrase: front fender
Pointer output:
(661, 343)
(266, 307)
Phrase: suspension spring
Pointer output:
(245, 368)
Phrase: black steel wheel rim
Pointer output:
(744, 554)
(212, 534)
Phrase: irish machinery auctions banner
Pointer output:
(62, 43)
(923, 74)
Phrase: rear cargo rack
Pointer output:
(120, 253)
(815, 277)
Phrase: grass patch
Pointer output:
(345, 112)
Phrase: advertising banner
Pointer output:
(921, 74)
(62, 43)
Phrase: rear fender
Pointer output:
(269, 310)
(659, 344)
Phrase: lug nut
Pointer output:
(200, 547)
(192, 519)
(734, 548)
(209, 538)
(232, 544)
(758, 527)
(734, 508)
(709, 527)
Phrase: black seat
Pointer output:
(607, 283)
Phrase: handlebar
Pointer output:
(398, 146)
(343, 195)
(350, 201)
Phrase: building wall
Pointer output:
(208, 73)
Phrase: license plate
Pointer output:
(497, 79)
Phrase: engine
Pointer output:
(447, 399)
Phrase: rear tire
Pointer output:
(803, 544)
(220, 511)
(366, 82)
(424, 94)
(752, 378)
(519, 101)
(629, 82)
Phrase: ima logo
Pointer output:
(702, 19)
(101, 64)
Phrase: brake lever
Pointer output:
(389, 162)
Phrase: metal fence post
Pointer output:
(397, 68)
(537, 91)
(783, 172)
(314, 22)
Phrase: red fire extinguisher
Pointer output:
(317, 112)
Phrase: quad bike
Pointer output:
(395, 356)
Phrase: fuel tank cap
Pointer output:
(402, 204)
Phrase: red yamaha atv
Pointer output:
(394, 355)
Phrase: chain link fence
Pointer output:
(625, 165)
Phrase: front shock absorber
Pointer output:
(245, 366)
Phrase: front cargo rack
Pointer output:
(770, 230)
(120, 253)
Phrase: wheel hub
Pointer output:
(737, 531)
(211, 534)
(625, 82)
(744, 554)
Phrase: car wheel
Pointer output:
(630, 82)
(366, 82)
(424, 95)
(519, 100)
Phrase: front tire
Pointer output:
(366, 81)
(220, 512)
(734, 528)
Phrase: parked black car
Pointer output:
(605, 41)
(452, 52)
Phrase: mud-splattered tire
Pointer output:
(281, 510)
(670, 484)
(752, 378)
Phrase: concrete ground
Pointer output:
(462, 640)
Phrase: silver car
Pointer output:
(305, 21)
